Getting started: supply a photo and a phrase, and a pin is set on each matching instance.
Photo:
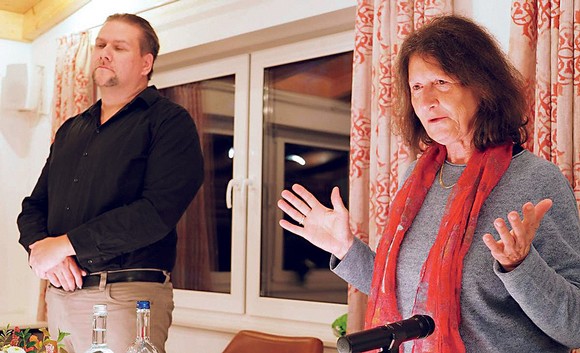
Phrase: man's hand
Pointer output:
(66, 274)
(49, 252)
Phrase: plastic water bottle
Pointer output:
(142, 343)
(99, 330)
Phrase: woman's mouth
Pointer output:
(436, 119)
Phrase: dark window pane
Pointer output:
(306, 141)
(204, 232)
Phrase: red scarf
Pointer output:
(438, 294)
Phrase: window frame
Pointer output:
(315, 312)
(232, 302)
(243, 307)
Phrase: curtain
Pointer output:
(378, 158)
(196, 243)
(73, 88)
(73, 93)
(545, 47)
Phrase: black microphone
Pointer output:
(387, 336)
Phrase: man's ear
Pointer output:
(147, 64)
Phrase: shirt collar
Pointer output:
(148, 96)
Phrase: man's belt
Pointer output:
(156, 276)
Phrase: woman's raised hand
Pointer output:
(326, 228)
(514, 245)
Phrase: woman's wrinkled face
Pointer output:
(445, 107)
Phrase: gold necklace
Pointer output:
(441, 179)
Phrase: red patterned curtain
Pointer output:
(378, 158)
(545, 47)
(73, 86)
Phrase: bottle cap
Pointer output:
(100, 309)
(143, 304)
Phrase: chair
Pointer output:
(247, 341)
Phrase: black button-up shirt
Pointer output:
(118, 189)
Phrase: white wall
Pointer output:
(189, 30)
(23, 147)
(495, 15)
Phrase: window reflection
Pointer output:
(306, 141)
(204, 232)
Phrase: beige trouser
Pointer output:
(72, 312)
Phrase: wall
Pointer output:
(189, 30)
(23, 147)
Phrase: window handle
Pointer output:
(233, 183)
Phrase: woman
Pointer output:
(491, 284)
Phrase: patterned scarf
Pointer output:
(439, 288)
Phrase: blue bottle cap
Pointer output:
(143, 304)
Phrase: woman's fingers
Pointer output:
(510, 241)
(297, 202)
(540, 211)
(515, 243)
(289, 209)
(311, 200)
(292, 227)
(336, 200)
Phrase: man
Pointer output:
(100, 222)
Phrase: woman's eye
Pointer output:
(442, 85)
(415, 87)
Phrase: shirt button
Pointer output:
(90, 261)
(85, 154)
(75, 180)
(98, 131)
(67, 208)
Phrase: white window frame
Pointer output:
(232, 302)
(314, 312)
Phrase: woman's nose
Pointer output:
(429, 98)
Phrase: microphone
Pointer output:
(387, 336)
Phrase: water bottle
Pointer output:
(142, 343)
(99, 330)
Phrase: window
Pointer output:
(204, 231)
(299, 105)
(267, 120)
(303, 100)
(210, 266)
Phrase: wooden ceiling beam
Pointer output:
(12, 24)
(46, 14)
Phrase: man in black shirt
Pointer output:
(100, 222)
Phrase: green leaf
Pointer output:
(339, 325)
(62, 335)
